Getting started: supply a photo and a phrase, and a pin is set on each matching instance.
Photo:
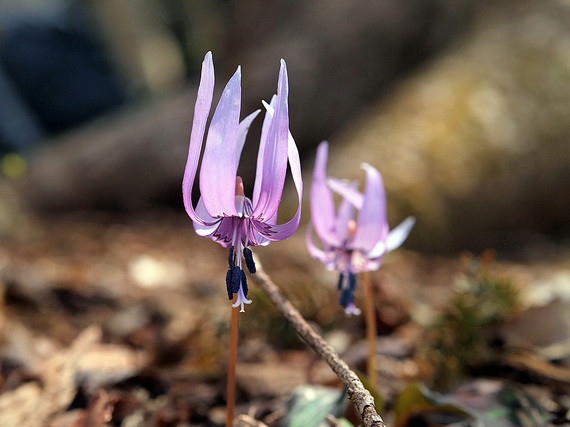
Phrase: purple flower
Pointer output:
(351, 245)
(224, 214)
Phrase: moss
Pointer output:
(463, 337)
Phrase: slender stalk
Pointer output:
(361, 399)
(370, 328)
(231, 390)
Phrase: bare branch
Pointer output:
(360, 398)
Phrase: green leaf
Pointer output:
(487, 403)
(309, 405)
(416, 398)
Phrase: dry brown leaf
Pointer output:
(98, 413)
(105, 363)
(539, 367)
(31, 406)
(18, 406)
(269, 379)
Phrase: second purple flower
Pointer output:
(351, 243)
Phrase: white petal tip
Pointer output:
(240, 301)
(399, 234)
(352, 310)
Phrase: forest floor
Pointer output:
(125, 322)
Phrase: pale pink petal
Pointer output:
(275, 152)
(242, 134)
(400, 233)
(314, 250)
(322, 203)
(371, 226)
(218, 171)
(394, 239)
(378, 250)
(269, 109)
(224, 233)
(256, 239)
(347, 190)
(201, 112)
(273, 231)
(344, 215)
(209, 224)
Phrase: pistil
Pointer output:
(236, 281)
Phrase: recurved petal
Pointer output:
(394, 239)
(371, 226)
(275, 232)
(344, 215)
(295, 166)
(218, 172)
(314, 250)
(269, 109)
(266, 226)
(201, 112)
(255, 238)
(379, 249)
(322, 203)
(224, 232)
(269, 229)
(348, 191)
(208, 225)
(400, 233)
(271, 174)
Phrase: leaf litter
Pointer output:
(124, 323)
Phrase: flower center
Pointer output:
(347, 288)
(351, 228)
(236, 280)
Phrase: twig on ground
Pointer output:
(360, 398)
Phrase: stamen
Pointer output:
(248, 256)
(232, 257)
(340, 280)
(346, 297)
(239, 187)
(236, 278)
(229, 284)
(351, 228)
(351, 281)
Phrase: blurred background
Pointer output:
(108, 299)
(462, 105)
